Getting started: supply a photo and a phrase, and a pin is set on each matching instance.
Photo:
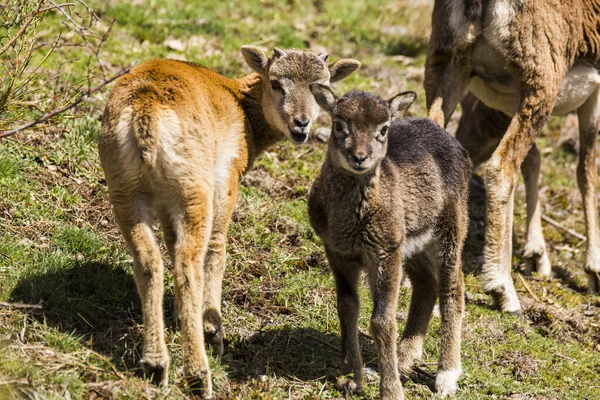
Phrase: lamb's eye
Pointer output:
(383, 131)
(275, 85)
(338, 126)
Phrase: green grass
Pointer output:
(60, 248)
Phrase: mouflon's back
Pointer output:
(414, 141)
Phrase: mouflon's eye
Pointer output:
(275, 85)
(383, 131)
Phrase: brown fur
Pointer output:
(383, 209)
(517, 58)
(176, 137)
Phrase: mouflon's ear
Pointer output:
(399, 104)
(324, 96)
(256, 58)
(342, 68)
(278, 53)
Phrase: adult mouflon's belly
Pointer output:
(499, 91)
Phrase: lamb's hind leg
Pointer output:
(192, 220)
(452, 233)
(424, 293)
(134, 215)
(214, 266)
(587, 176)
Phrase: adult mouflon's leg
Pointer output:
(535, 252)
(587, 177)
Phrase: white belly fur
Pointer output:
(415, 244)
(579, 83)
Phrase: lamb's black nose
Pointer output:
(359, 159)
(301, 124)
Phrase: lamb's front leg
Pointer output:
(346, 275)
(384, 277)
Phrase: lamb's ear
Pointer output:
(342, 68)
(323, 56)
(399, 104)
(278, 53)
(256, 58)
(324, 96)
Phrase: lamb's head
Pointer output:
(361, 121)
(287, 101)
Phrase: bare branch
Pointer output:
(67, 107)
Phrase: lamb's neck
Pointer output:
(260, 135)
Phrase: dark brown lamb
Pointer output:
(392, 197)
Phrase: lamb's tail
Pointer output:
(145, 126)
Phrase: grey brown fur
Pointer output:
(528, 59)
(385, 202)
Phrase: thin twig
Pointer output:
(21, 31)
(556, 224)
(58, 111)
(19, 305)
(107, 361)
(528, 289)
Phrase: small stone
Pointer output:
(323, 133)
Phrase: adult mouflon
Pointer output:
(527, 59)
(392, 197)
(176, 138)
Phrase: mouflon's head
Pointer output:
(360, 122)
(287, 101)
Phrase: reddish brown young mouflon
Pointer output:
(527, 59)
(175, 140)
(392, 197)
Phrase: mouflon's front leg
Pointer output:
(385, 275)
(346, 274)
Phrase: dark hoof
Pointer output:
(213, 331)
(348, 387)
(157, 373)
(200, 385)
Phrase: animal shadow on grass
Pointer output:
(299, 354)
(91, 299)
(302, 354)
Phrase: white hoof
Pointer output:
(446, 382)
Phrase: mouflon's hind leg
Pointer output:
(193, 225)
(214, 266)
(535, 252)
(424, 294)
(587, 177)
(451, 235)
(134, 216)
